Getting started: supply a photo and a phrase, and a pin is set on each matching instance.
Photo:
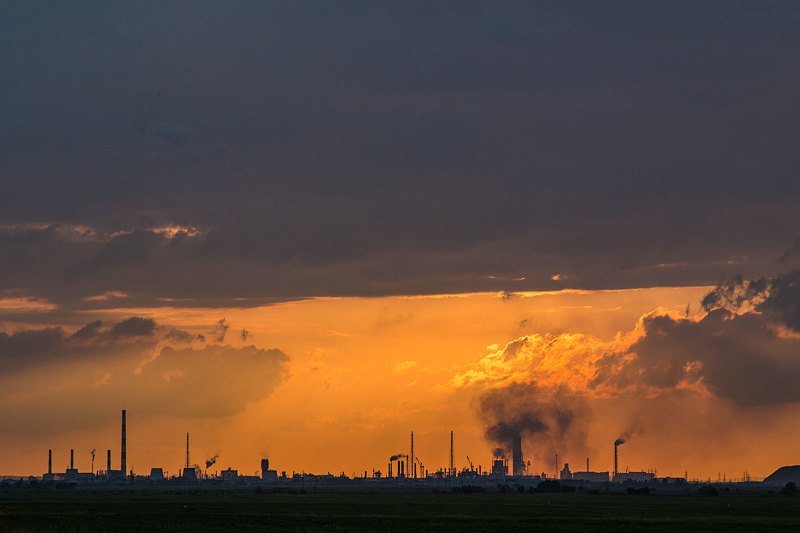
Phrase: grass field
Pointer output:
(247, 510)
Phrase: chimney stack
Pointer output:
(123, 453)
(71, 459)
(615, 458)
(50, 461)
(413, 464)
(452, 457)
(108, 462)
(517, 462)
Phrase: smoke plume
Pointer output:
(548, 419)
(743, 350)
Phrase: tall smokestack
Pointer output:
(71, 459)
(187, 449)
(413, 464)
(50, 461)
(587, 464)
(452, 457)
(123, 458)
(108, 462)
(616, 445)
(517, 463)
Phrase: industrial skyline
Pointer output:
(400, 466)
(301, 231)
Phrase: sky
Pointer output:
(304, 229)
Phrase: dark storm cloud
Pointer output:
(750, 355)
(133, 327)
(338, 148)
(740, 358)
(778, 298)
(185, 380)
(213, 381)
(32, 348)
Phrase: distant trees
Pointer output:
(708, 490)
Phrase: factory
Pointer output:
(587, 475)
(404, 469)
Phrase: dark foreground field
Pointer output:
(248, 510)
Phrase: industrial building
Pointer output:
(634, 477)
(266, 473)
(229, 475)
(586, 476)
(403, 470)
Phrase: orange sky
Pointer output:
(364, 372)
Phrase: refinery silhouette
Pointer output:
(404, 471)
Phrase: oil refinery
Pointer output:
(405, 470)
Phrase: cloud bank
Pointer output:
(57, 380)
(464, 147)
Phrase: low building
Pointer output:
(591, 477)
(229, 475)
(634, 477)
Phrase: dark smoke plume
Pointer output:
(545, 418)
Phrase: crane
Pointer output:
(471, 466)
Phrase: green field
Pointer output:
(85, 510)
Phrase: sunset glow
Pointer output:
(431, 250)
(361, 373)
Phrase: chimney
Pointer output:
(72, 459)
(123, 460)
(587, 464)
(615, 458)
(413, 464)
(50, 461)
(517, 463)
(108, 462)
(452, 457)
(264, 469)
